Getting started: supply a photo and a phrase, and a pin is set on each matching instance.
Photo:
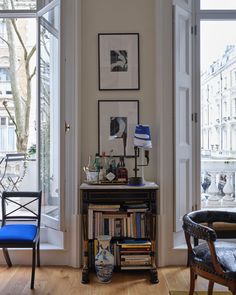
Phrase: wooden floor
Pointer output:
(66, 281)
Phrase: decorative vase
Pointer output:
(104, 260)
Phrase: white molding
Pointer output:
(164, 121)
(196, 81)
(217, 14)
(185, 4)
(72, 76)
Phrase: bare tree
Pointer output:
(21, 99)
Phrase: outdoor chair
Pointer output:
(2, 174)
(13, 171)
(211, 259)
(21, 212)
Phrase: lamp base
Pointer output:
(135, 181)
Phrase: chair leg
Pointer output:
(210, 287)
(7, 257)
(33, 268)
(38, 254)
(192, 281)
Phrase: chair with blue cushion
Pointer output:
(209, 257)
(21, 212)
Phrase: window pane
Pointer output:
(18, 4)
(11, 138)
(218, 113)
(17, 104)
(218, 4)
(49, 114)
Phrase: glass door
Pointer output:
(50, 139)
(218, 113)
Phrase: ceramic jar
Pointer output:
(104, 260)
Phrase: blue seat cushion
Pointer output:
(14, 233)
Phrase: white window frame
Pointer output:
(202, 15)
(53, 239)
(197, 16)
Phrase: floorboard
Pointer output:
(66, 281)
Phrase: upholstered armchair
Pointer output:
(209, 258)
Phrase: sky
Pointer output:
(215, 36)
(218, 4)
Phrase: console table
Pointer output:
(122, 197)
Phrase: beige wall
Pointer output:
(152, 19)
(112, 16)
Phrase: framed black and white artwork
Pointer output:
(117, 120)
(118, 61)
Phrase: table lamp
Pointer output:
(142, 140)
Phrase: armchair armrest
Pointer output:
(198, 231)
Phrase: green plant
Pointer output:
(32, 150)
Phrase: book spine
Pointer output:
(138, 225)
(106, 226)
(142, 217)
(90, 224)
(135, 267)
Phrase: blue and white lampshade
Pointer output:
(142, 137)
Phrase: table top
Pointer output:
(147, 185)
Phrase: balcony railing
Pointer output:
(218, 179)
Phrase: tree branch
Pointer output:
(13, 21)
(4, 40)
(32, 75)
(31, 53)
(10, 115)
(12, 5)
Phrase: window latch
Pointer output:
(67, 127)
(194, 117)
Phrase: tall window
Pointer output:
(18, 84)
(218, 63)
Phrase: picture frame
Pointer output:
(117, 120)
(118, 61)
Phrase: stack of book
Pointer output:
(95, 218)
(132, 221)
(135, 254)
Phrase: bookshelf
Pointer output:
(129, 215)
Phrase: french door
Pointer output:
(50, 137)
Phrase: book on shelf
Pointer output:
(135, 257)
(135, 263)
(118, 224)
(137, 210)
(136, 267)
(136, 251)
(103, 206)
(136, 206)
(138, 224)
(135, 242)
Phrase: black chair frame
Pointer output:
(8, 217)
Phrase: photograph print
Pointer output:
(119, 61)
(118, 57)
(116, 123)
